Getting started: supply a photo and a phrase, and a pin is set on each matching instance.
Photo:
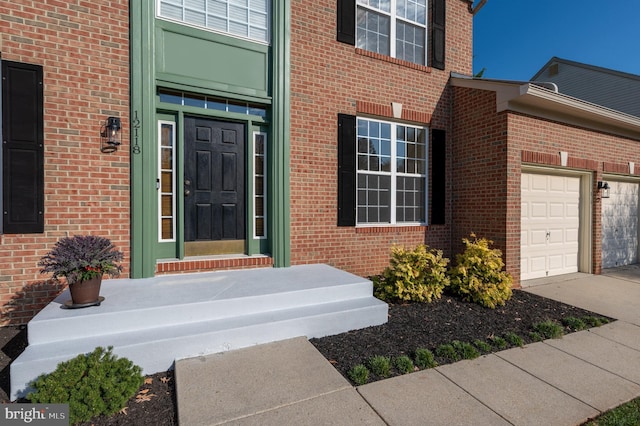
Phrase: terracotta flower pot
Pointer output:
(86, 291)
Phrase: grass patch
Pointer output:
(359, 374)
(404, 364)
(380, 365)
(425, 359)
(574, 323)
(447, 351)
(482, 345)
(624, 415)
(498, 342)
(514, 339)
(549, 329)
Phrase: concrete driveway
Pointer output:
(615, 293)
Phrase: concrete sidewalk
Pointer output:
(556, 382)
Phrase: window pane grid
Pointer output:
(259, 185)
(209, 102)
(166, 181)
(247, 18)
(395, 28)
(382, 190)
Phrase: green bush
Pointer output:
(447, 351)
(418, 275)
(404, 364)
(478, 276)
(425, 359)
(498, 342)
(92, 384)
(549, 329)
(465, 350)
(380, 365)
(574, 323)
(514, 339)
(535, 336)
(359, 374)
(595, 321)
(482, 345)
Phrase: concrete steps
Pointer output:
(158, 320)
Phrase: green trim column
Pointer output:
(142, 137)
(279, 189)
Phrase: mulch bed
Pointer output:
(410, 326)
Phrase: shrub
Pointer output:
(498, 342)
(535, 336)
(549, 329)
(466, 350)
(478, 276)
(359, 374)
(482, 345)
(574, 323)
(447, 351)
(92, 384)
(425, 359)
(514, 339)
(404, 364)
(418, 275)
(595, 321)
(380, 365)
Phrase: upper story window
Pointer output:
(242, 18)
(396, 28)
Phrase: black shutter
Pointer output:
(22, 148)
(346, 14)
(346, 170)
(438, 20)
(438, 176)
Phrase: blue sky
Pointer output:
(513, 39)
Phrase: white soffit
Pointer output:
(532, 99)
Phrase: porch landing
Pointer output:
(155, 321)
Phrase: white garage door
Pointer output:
(620, 225)
(550, 225)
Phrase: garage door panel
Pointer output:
(620, 224)
(551, 223)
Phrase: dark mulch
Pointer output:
(410, 326)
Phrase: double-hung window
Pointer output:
(241, 18)
(396, 28)
(391, 172)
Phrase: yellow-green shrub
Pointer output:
(418, 275)
(478, 276)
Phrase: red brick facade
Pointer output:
(83, 48)
(328, 78)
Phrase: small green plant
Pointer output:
(514, 339)
(447, 351)
(498, 342)
(465, 350)
(418, 275)
(574, 323)
(549, 329)
(404, 364)
(380, 365)
(535, 336)
(482, 345)
(627, 414)
(92, 384)
(595, 321)
(478, 276)
(425, 359)
(359, 374)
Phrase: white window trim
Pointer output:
(173, 180)
(215, 31)
(264, 185)
(394, 18)
(394, 174)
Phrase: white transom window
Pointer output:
(396, 28)
(392, 172)
(241, 18)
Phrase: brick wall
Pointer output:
(489, 150)
(83, 48)
(328, 78)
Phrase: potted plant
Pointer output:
(82, 260)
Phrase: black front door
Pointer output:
(214, 185)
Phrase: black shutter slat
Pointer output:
(346, 170)
(438, 21)
(438, 176)
(23, 148)
(346, 21)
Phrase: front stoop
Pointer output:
(155, 321)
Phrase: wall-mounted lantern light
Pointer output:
(604, 187)
(110, 137)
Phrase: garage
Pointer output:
(620, 224)
(550, 225)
